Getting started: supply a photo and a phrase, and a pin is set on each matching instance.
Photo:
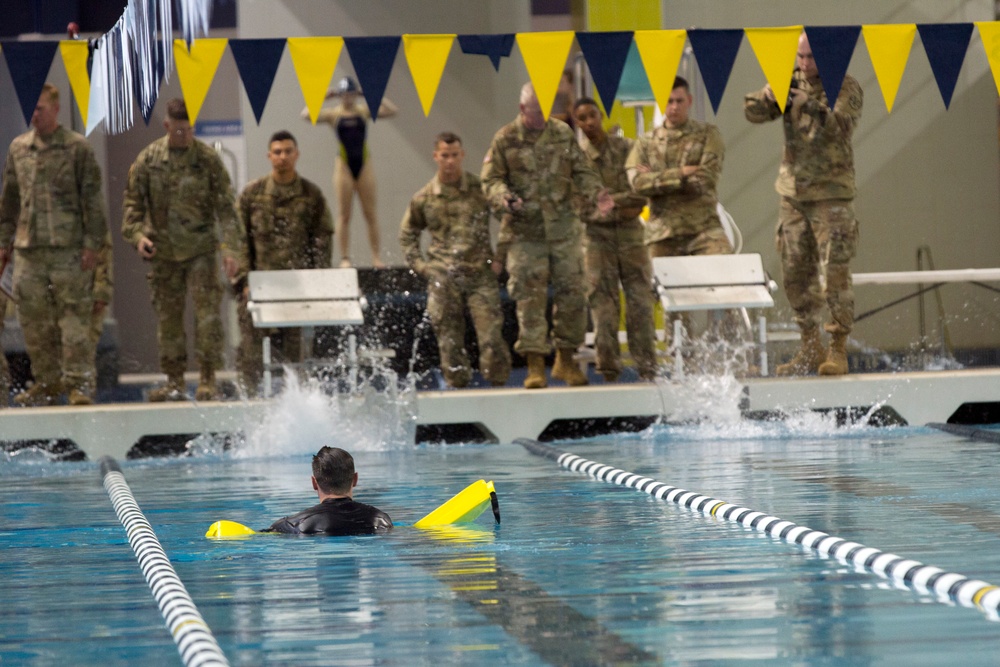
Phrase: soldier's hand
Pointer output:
(88, 259)
(513, 203)
(146, 248)
(4, 255)
(230, 266)
(497, 266)
(797, 98)
(99, 308)
(605, 202)
(768, 93)
(689, 169)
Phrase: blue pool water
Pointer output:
(580, 572)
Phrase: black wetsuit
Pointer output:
(351, 130)
(335, 516)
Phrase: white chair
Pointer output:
(714, 282)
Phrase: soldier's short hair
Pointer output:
(681, 82)
(282, 135)
(53, 92)
(447, 138)
(177, 110)
(528, 93)
(333, 469)
(584, 101)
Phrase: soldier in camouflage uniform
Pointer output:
(529, 175)
(817, 231)
(52, 208)
(615, 254)
(4, 368)
(678, 166)
(284, 223)
(454, 210)
(177, 197)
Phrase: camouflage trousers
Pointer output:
(447, 298)
(286, 347)
(610, 262)
(817, 241)
(532, 266)
(55, 306)
(4, 369)
(170, 282)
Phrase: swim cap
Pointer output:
(347, 85)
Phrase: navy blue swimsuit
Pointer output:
(351, 131)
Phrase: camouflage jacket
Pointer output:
(458, 220)
(178, 199)
(542, 168)
(609, 160)
(678, 205)
(52, 193)
(818, 160)
(280, 227)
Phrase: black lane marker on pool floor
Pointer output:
(922, 578)
(194, 639)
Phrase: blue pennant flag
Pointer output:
(494, 46)
(372, 58)
(832, 47)
(715, 51)
(606, 53)
(159, 64)
(28, 63)
(945, 44)
(257, 61)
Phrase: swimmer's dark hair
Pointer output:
(447, 138)
(681, 82)
(333, 469)
(177, 109)
(583, 101)
(282, 135)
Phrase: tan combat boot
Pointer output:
(79, 396)
(565, 368)
(39, 394)
(173, 390)
(536, 372)
(807, 360)
(206, 390)
(836, 360)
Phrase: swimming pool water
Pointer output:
(580, 572)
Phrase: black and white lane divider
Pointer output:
(194, 639)
(922, 578)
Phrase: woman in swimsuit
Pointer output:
(352, 171)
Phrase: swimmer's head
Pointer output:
(348, 85)
(333, 470)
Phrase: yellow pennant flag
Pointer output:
(74, 54)
(775, 50)
(989, 32)
(545, 56)
(314, 59)
(196, 69)
(889, 48)
(426, 55)
(661, 52)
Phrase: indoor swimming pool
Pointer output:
(579, 572)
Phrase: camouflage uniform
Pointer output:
(4, 369)
(103, 287)
(817, 231)
(178, 198)
(458, 275)
(615, 254)
(53, 208)
(542, 241)
(281, 226)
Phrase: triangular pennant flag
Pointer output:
(97, 105)
(775, 50)
(494, 46)
(196, 69)
(715, 51)
(889, 48)
(605, 53)
(147, 105)
(945, 44)
(314, 59)
(545, 56)
(832, 48)
(989, 32)
(257, 62)
(661, 52)
(426, 55)
(74, 54)
(28, 63)
(372, 58)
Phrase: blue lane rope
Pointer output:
(922, 578)
(194, 639)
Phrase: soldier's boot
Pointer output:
(536, 372)
(836, 359)
(39, 394)
(565, 368)
(80, 397)
(809, 357)
(207, 390)
(173, 390)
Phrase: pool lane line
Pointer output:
(193, 637)
(981, 434)
(922, 578)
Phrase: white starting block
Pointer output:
(714, 282)
(302, 298)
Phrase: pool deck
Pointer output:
(501, 415)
